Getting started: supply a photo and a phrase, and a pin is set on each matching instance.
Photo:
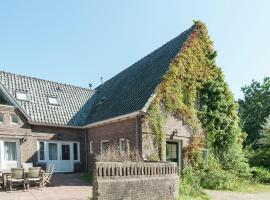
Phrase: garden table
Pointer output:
(7, 172)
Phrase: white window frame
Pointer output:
(46, 150)
(18, 152)
(120, 146)
(18, 120)
(101, 142)
(53, 98)
(91, 147)
(38, 150)
(78, 151)
(18, 97)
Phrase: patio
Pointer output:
(64, 187)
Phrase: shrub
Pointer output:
(113, 154)
(214, 177)
(219, 179)
(260, 157)
(190, 185)
(260, 175)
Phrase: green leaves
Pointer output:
(254, 108)
(194, 70)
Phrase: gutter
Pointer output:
(55, 125)
(115, 119)
(107, 121)
(103, 122)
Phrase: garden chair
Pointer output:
(46, 176)
(34, 176)
(17, 177)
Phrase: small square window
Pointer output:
(53, 100)
(91, 147)
(76, 151)
(41, 151)
(1, 118)
(14, 119)
(122, 145)
(104, 146)
(22, 96)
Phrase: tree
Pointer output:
(265, 133)
(254, 108)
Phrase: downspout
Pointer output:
(86, 148)
(138, 135)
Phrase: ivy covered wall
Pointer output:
(194, 90)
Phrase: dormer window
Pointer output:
(14, 119)
(22, 96)
(53, 101)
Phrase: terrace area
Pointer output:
(69, 186)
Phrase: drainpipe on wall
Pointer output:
(138, 135)
(86, 149)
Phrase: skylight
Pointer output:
(53, 100)
(22, 96)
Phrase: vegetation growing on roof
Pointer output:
(194, 90)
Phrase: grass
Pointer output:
(201, 197)
(251, 187)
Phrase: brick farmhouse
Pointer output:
(47, 122)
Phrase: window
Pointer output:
(104, 146)
(41, 152)
(172, 151)
(1, 118)
(14, 119)
(122, 145)
(76, 151)
(65, 151)
(53, 100)
(91, 147)
(22, 96)
(52, 151)
(10, 151)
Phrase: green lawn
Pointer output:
(248, 187)
(202, 197)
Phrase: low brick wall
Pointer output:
(129, 180)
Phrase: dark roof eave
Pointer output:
(55, 125)
(117, 118)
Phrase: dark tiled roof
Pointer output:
(127, 92)
(74, 101)
(130, 90)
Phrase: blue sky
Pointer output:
(79, 41)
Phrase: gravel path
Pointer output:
(224, 195)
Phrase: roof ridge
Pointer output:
(41, 79)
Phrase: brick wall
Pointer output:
(113, 132)
(29, 135)
(172, 124)
(126, 181)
